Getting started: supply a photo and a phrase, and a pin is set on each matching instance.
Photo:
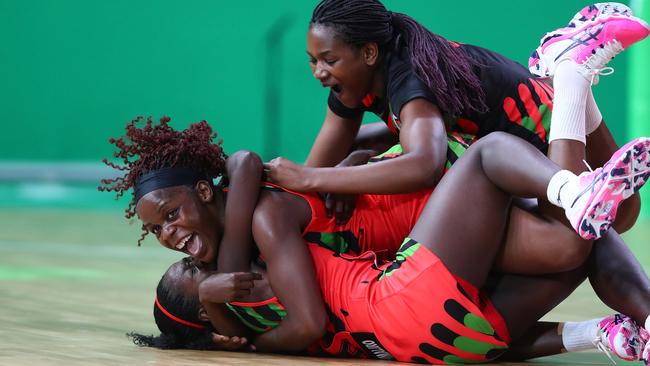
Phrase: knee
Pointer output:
(569, 250)
(627, 214)
(492, 143)
(494, 139)
(574, 255)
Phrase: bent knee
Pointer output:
(627, 214)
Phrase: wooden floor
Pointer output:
(73, 282)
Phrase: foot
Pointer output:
(587, 15)
(590, 44)
(598, 194)
(621, 336)
(591, 12)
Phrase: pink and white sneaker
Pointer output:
(591, 45)
(585, 17)
(599, 193)
(620, 335)
(590, 12)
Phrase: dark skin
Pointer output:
(613, 271)
(353, 72)
(171, 226)
(244, 170)
(472, 255)
(280, 217)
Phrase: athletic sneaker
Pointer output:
(583, 18)
(590, 12)
(645, 354)
(600, 192)
(591, 45)
(620, 335)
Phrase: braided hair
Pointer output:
(147, 147)
(437, 62)
(174, 334)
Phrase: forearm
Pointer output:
(224, 322)
(292, 277)
(407, 173)
(334, 141)
(245, 173)
(286, 339)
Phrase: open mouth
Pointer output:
(183, 242)
(195, 247)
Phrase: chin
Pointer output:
(351, 103)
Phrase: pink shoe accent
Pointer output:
(594, 209)
(620, 335)
(594, 36)
(597, 34)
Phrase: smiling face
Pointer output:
(348, 70)
(184, 219)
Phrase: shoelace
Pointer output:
(601, 57)
(598, 342)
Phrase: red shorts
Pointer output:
(412, 308)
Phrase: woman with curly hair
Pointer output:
(450, 245)
(156, 155)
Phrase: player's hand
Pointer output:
(287, 174)
(340, 206)
(235, 343)
(227, 287)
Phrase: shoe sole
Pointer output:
(588, 24)
(623, 177)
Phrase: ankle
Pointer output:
(559, 190)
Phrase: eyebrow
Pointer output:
(320, 54)
(161, 205)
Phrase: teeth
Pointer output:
(182, 243)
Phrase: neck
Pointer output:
(378, 82)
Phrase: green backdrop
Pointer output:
(73, 72)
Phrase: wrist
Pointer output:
(203, 292)
(311, 180)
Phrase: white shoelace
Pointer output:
(602, 57)
(598, 342)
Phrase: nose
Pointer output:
(320, 73)
(166, 234)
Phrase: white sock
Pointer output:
(569, 103)
(580, 336)
(593, 117)
(647, 323)
(560, 190)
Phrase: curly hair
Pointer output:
(147, 147)
(446, 71)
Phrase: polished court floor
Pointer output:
(73, 282)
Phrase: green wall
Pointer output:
(73, 72)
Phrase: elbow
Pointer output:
(427, 171)
(429, 178)
(313, 328)
(246, 159)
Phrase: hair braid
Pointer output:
(440, 65)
